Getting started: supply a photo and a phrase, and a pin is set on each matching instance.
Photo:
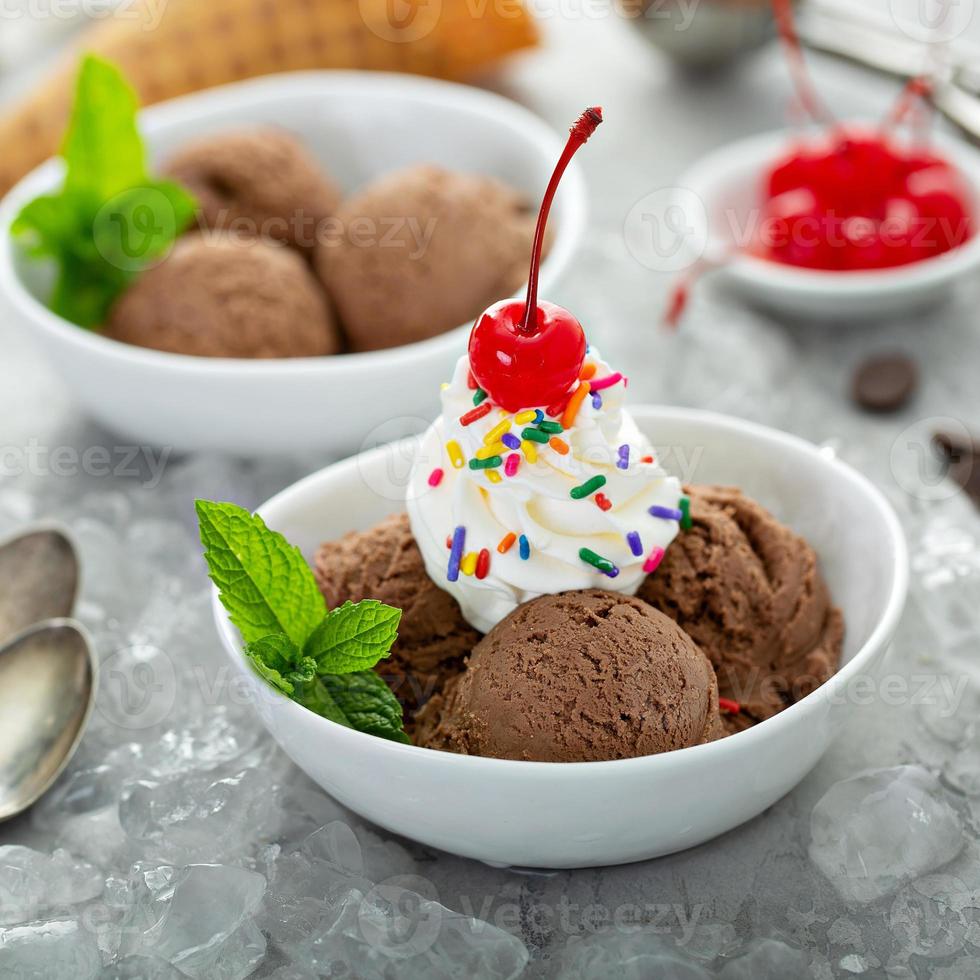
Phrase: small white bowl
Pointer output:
(719, 194)
(359, 125)
(597, 813)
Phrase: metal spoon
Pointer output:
(38, 579)
(48, 680)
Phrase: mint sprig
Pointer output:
(321, 659)
(110, 220)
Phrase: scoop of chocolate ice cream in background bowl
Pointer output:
(357, 128)
(526, 812)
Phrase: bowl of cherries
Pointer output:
(842, 218)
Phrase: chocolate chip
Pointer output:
(963, 457)
(884, 382)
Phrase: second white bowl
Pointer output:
(721, 197)
(562, 815)
(359, 125)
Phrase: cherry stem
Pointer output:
(584, 127)
(786, 25)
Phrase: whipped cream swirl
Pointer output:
(543, 513)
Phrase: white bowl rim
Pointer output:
(770, 728)
(703, 176)
(448, 94)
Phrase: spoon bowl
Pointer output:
(39, 575)
(48, 680)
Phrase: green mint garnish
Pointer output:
(321, 659)
(362, 701)
(110, 219)
(354, 637)
(279, 661)
(264, 582)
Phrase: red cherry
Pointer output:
(526, 354)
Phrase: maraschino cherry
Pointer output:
(525, 353)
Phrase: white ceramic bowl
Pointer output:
(719, 195)
(596, 813)
(359, 124)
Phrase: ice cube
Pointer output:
(32, 882)
(205, 927)
(934, 916)
(197, 817)
(767, 959)
(874, 832)
(53, 949)
(636, 956)
(142, 968)
(337, 845)
(394, 931)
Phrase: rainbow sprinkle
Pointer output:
(456, 456)
(588, 488)
(468, 565)
(510, 441)
(667, 513)
(602, 501)
(475, 414)
(435, 477)
(511, 464)
(456, 553)
(574, 404)
(535, 435)
(506, 542)
(490, 463)
(636, 545)
(686, 522)
(485, 452)
(623, 462)
(530, 451)
(604, 565)
(522, 418)
(497, 431)
(596, 400)
(559, 445)
(653, 561)
(589, 369)
(552, 428)
(493, 476)
(608, 382)
(524, 547)
(538, 416)
(482, 563)
(479, 396)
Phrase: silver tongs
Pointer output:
(903, 50)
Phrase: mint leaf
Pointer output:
(264, 582)
(110, 219)
(361, 700)
(280, 662)
(354, 637)
(102, 147)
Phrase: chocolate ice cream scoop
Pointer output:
(577, 677)
(262, 181)
(384, 563)
(748, 590)
(421, 251)
(218, 296)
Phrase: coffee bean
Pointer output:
(884, 382)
